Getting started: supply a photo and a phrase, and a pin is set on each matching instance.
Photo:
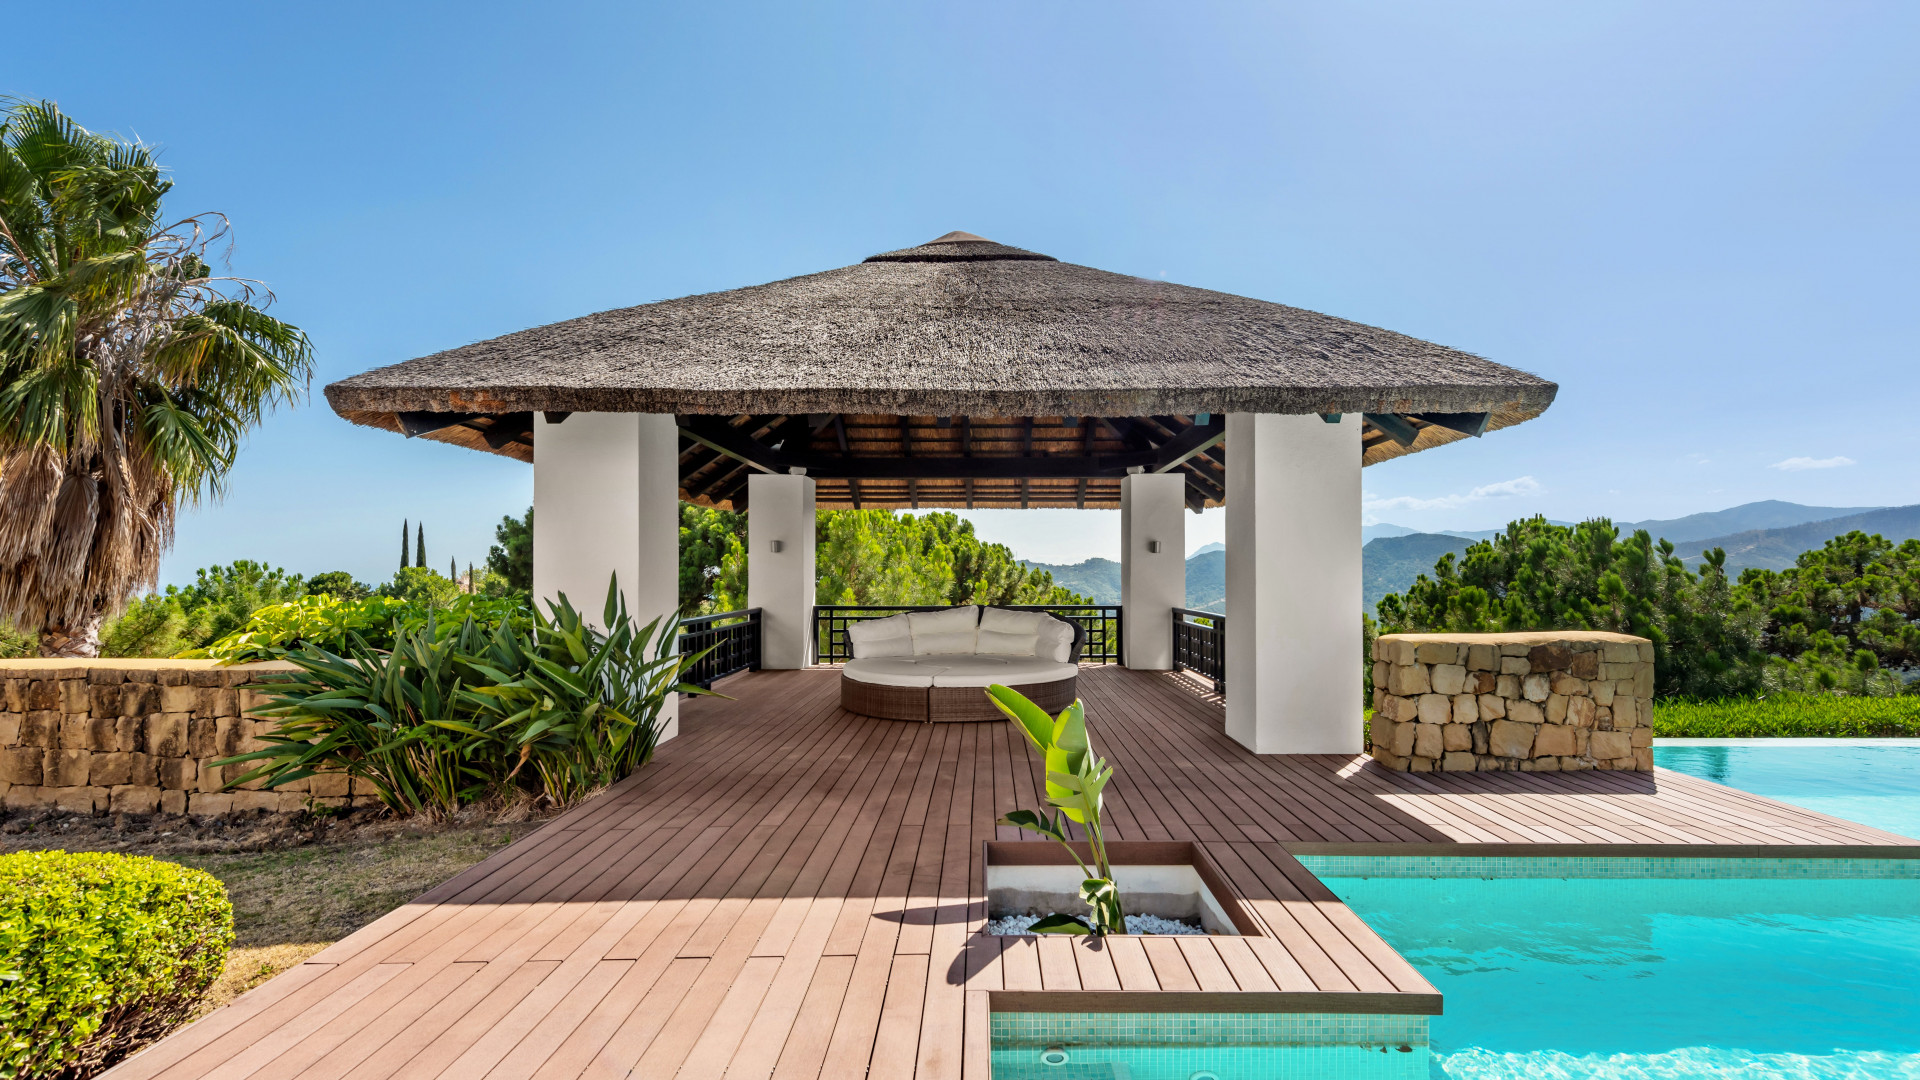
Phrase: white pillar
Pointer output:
(606, 501)
(1293, 583)
(780, 566)
(1153, 566)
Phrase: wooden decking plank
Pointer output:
(793, 891)
(896, 1044)
(1095, 963)
(802, 1055)
(637, 1030)
(1170, 964)
(553, 1027)
(426, 1048)
(1129, 962)
(1057, 968)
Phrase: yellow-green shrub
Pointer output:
(100, 954)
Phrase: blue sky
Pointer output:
(1700, 219)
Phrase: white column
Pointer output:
(606, 501)
(1153, 566)
(780, 566)
(1293, 583)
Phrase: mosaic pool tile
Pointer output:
(1011, 1029)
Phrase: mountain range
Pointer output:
(1769, 534)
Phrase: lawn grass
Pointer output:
(1788, 716)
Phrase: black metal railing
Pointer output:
(1100, 623)
(733, 638)
(1200, 645)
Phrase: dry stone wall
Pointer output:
(136, 736)
(1534, 702)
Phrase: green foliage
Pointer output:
(1076, 780)
(338, 584)
(327, 622)
(123, 359)
(872, 557)
(219, 602)
(882, 558)
(1844, 618)
(512, 557)
(100, 954)
(13, 643)
(713, 560)
(1823, 716)
(419, 585)
(1538, 576)
(455, 713)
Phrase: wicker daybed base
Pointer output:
(946, 704)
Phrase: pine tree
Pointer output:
(453, 569)
(403, 543)
(420, 549)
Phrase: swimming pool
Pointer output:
(1591, 967)
(1872, 781)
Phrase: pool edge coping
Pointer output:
(1630, 851)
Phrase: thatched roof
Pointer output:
(959, 326)
(958, 373)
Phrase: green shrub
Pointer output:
(455, 713)
(327, 622)
(1787, 716)
(100, 954)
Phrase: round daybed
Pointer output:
(936, 665)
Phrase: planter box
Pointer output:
(1171, 879)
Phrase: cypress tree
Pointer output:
(403, 543)
(420, 549)
(453, 570)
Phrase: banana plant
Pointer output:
(1076, 777)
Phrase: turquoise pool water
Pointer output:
(1872, 781)
(1758, 970)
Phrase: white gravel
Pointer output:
(1010, 925)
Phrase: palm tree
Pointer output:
(129, 372)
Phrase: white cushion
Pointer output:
(892, 671)
(944, 632)
(1054, 641)
(1009, 633)
(1012, 671)
(880, 637)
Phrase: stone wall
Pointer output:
(135, 736)
(1535, 702)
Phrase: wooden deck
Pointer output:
(793, 891)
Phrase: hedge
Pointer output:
(1827, 716)
(99, 955)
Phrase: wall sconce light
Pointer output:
(1153, 547)
(777, 546)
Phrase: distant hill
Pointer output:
(1776, 549)
(1385, 528)
(1099, 579)
(1207, 581)
(1766, 514)
(1204, 548)
(1096, 579)
(1748, 517)
(1391, 563)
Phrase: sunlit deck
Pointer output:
(791, 890)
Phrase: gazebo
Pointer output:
(965, 373)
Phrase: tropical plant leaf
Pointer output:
(1032, 822)
(1061, 924)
